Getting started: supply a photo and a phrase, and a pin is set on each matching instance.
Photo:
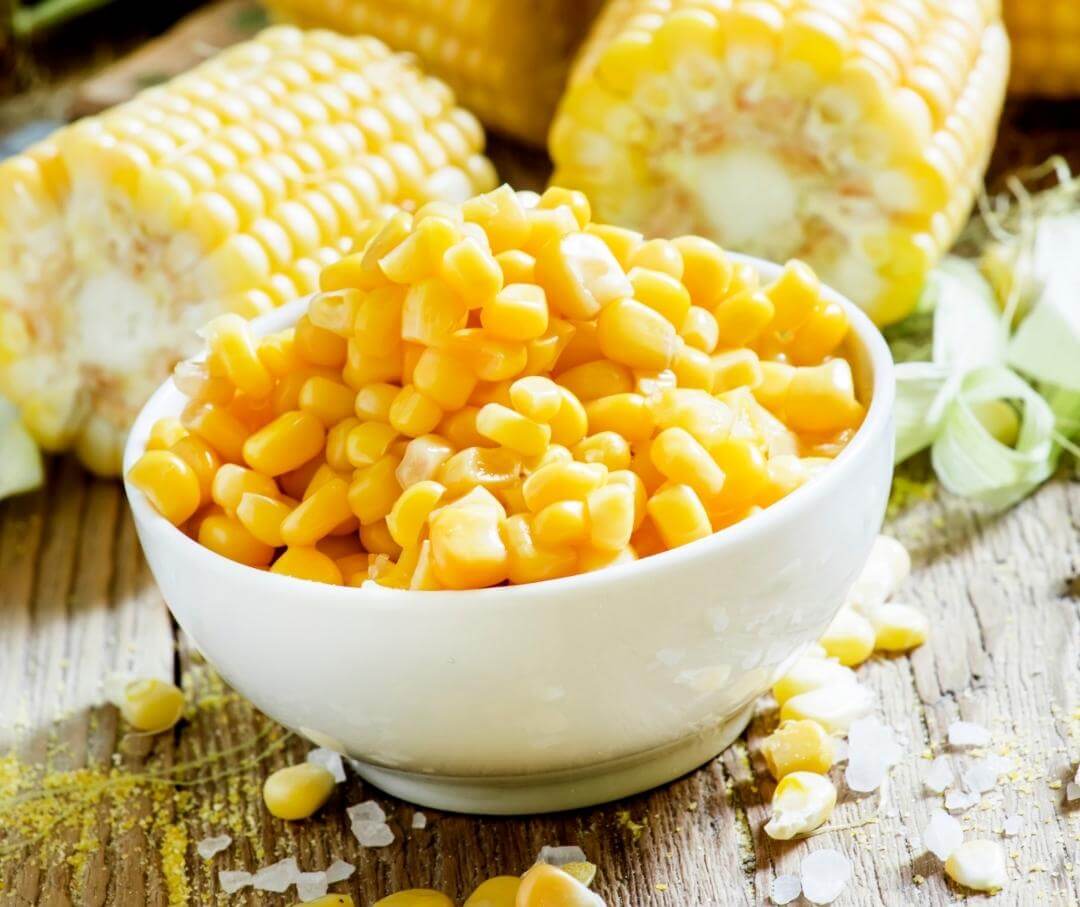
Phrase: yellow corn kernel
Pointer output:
(898, 627)
(329, 401)
(622, 242)
(563, 481)
(491, 358)
(660, 292)
(580, 276)
(706, 270)
(502, 216)
(632, 480)
(335, 311)
(491, 392)
(794, 295)
(736, 368)
(310, 564)
(517, 312)
(536, 398)
(512, 430)
(772, 389)
(377, 321)
(560, 524)
(819, 336)
(801, 802)
(202, 458)
(607, 447)
(415, 897)
(422, 458)
(195, 380)
(368, 442)
(822, 398)
(610, 516)
(500, 891)
(410, 511)
(278, 353)
(413, 413)
(285, 444)
(251, 411)
(376, 538)
(226, 434)
(692, 368)
(700, 330)
(318, 514)
(317, 345)
(232, 345)
(262, 516)
(626, 414)
(419, 254)
(337, 444)
(362, 369)
(849, 638)
(545, 885)
(555, 453)
(706, 418)
(151, 705)
(228, 537)
(298, 791)
(516, 266)
(526, 561)
(169, 483)
(296, 482)
(374, 489)
(571, 423)
(746, 469)
(443, 378)
(431, 313)
(660, 255)
(577, 202)
(329, 900)
(489, 467)
(635, 335)
(682, 459)
(466, 547)
(547, 226)
(740, 319)
(808, 674)
(165, 433)
(678, 515)
(599, 378)
(473, 273)
(232, 482)
(373, 401)
(798, 746)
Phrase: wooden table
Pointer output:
(77, 602)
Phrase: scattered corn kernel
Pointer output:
(849, 638)
(151, 705)
(801, 802)
(898, 627)
(298, 791)
(501, 891)
(415, 897)
(834, 707)
(810, 673)
(545, 886)
(798, 746)
(978, 865)
(169, 483)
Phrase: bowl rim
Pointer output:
(875, 425)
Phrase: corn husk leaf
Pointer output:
(969, 331)
(970, 462)
(21, 467)
(918, 387)
(1046, 345)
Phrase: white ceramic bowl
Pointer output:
(548, 696)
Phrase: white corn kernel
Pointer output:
(898, 627)
(849, 638)
(834, 707)
(808, 674)
(801, 802)
(978, 865)
(886, 568)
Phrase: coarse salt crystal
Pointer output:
(840, 750)
(784, 889)
(1012, 826)
(232, 881)
(942, 835)
(339, 871)
(329, 760)
(560, 855)
(207, 847)
(983, 775)
(419, 820)
(966, 733)
(276, 877)
(368, 811)
(372, 834)
(824, 875)
(872, 749)
(1072, 791)
(311, 885)
(959, 800)
(940, 775)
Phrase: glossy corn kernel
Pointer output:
(512, 430)
(606, 447)
(635, 335)
(409, 514)
(548, 885)
(288, 442)
(821, 398)
(374, 489)
(165, 433)
(849, 638)
(310, 564)
(611, 516)
(466, 547)
(168, 482)
(536, 398)
(679, 456)
(809, 674)
(834, 706)
(298, 791)
(262, 516)
(678, 515)
(528, 562)
(798, 746)
(415, 897)
(228, 537)
(422, 459)
(329, 900)
(566, 481)
(580, 276)
(898, 627)
(500, 891)
(801, 802)
(979, 865)
(368, 442)
(317, 515)
(518, 311)
(151, 705)
(561, 523)
(413, 413)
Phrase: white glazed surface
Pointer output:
(547, 677)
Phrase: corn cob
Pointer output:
(506, 59)
(227, 189)
(1046, 47)
(850, 134)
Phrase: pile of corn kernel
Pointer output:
(502, 391)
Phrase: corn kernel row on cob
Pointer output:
(227, 189)
(1046, 47)
(506, 59)
(850, 133)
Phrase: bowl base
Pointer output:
(555, 791)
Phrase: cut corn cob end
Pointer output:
(851, 136)
(227, 189)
